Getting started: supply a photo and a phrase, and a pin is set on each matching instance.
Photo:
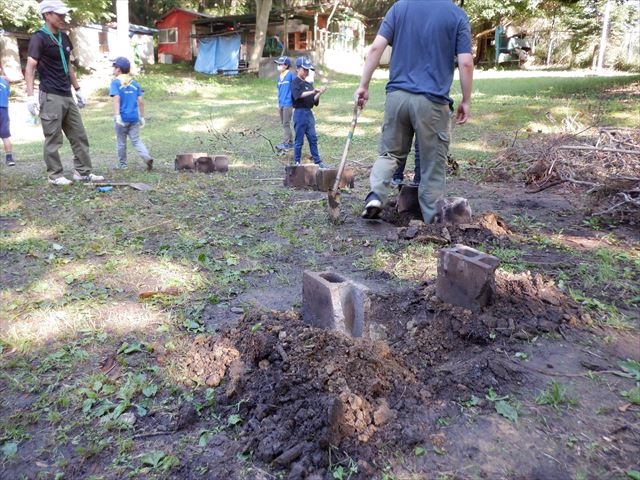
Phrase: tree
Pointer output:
(25, 14)
(263, 7)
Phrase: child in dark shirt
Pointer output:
(305, 97)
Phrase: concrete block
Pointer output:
(203, 165)
(466, 277)
(221, 163)
(326, 177)
(300, 176)
(333, 302)
(186, 161)
(407, 200)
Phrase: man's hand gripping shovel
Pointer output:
(334, 193)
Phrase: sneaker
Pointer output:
(60, 181)
(372, 207)
(395, 182)
(10, 161)
(122, 166)
(87, 178)
(323, 165)
(149, 164)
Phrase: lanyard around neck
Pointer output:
(58, 42)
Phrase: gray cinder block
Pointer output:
(407, 200)
(333, 302)
(466, 277)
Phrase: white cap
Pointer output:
(55, 6)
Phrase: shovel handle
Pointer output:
(343, 161)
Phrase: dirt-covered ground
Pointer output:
(528, 387)
(418, 403)
(443, 393)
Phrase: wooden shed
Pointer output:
(176, 35)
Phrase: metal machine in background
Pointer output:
(511, 45)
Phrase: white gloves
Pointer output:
(118, 119)
(33, 105)
(142, 122)
(80, 100)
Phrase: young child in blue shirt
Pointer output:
(285, 102)
(5, 132)
(129, 112)
(305, 97)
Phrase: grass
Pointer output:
(86, 275)
(556, 396)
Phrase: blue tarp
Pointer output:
(218, 53)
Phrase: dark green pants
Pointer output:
(405, 114)
(61, 114)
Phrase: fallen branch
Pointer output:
(146, 228)
(597, 149)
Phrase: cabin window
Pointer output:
(168, 35)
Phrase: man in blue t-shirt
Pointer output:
(129, 112)
(285, 102)
(426, 35)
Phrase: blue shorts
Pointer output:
(4, 123)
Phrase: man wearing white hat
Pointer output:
(49, 54)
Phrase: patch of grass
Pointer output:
(555, 396)
(510, 258)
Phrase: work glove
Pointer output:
(118, 119)
(33, 105)
(142, 122)
(80, 100)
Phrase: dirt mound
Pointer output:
(302, 392)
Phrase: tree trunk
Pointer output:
(263, 7)
(603, 37)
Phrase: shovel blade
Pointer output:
(334, 204)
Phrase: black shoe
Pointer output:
(10, 161)
(372, 207)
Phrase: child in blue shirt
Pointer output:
(129, 112)
(5, 132)
(285, 102)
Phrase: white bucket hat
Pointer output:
(55, 6)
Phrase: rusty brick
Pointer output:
(326, 177)
(185, 161)
(221, 163)
(466, 277)
(300, 176)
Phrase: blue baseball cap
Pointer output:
(122, 63)
(283, 60)
(305, 63)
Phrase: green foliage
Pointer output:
(25, 15)
(502, 406)
(555, 395)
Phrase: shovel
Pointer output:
(136, 186)
(334, 193)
